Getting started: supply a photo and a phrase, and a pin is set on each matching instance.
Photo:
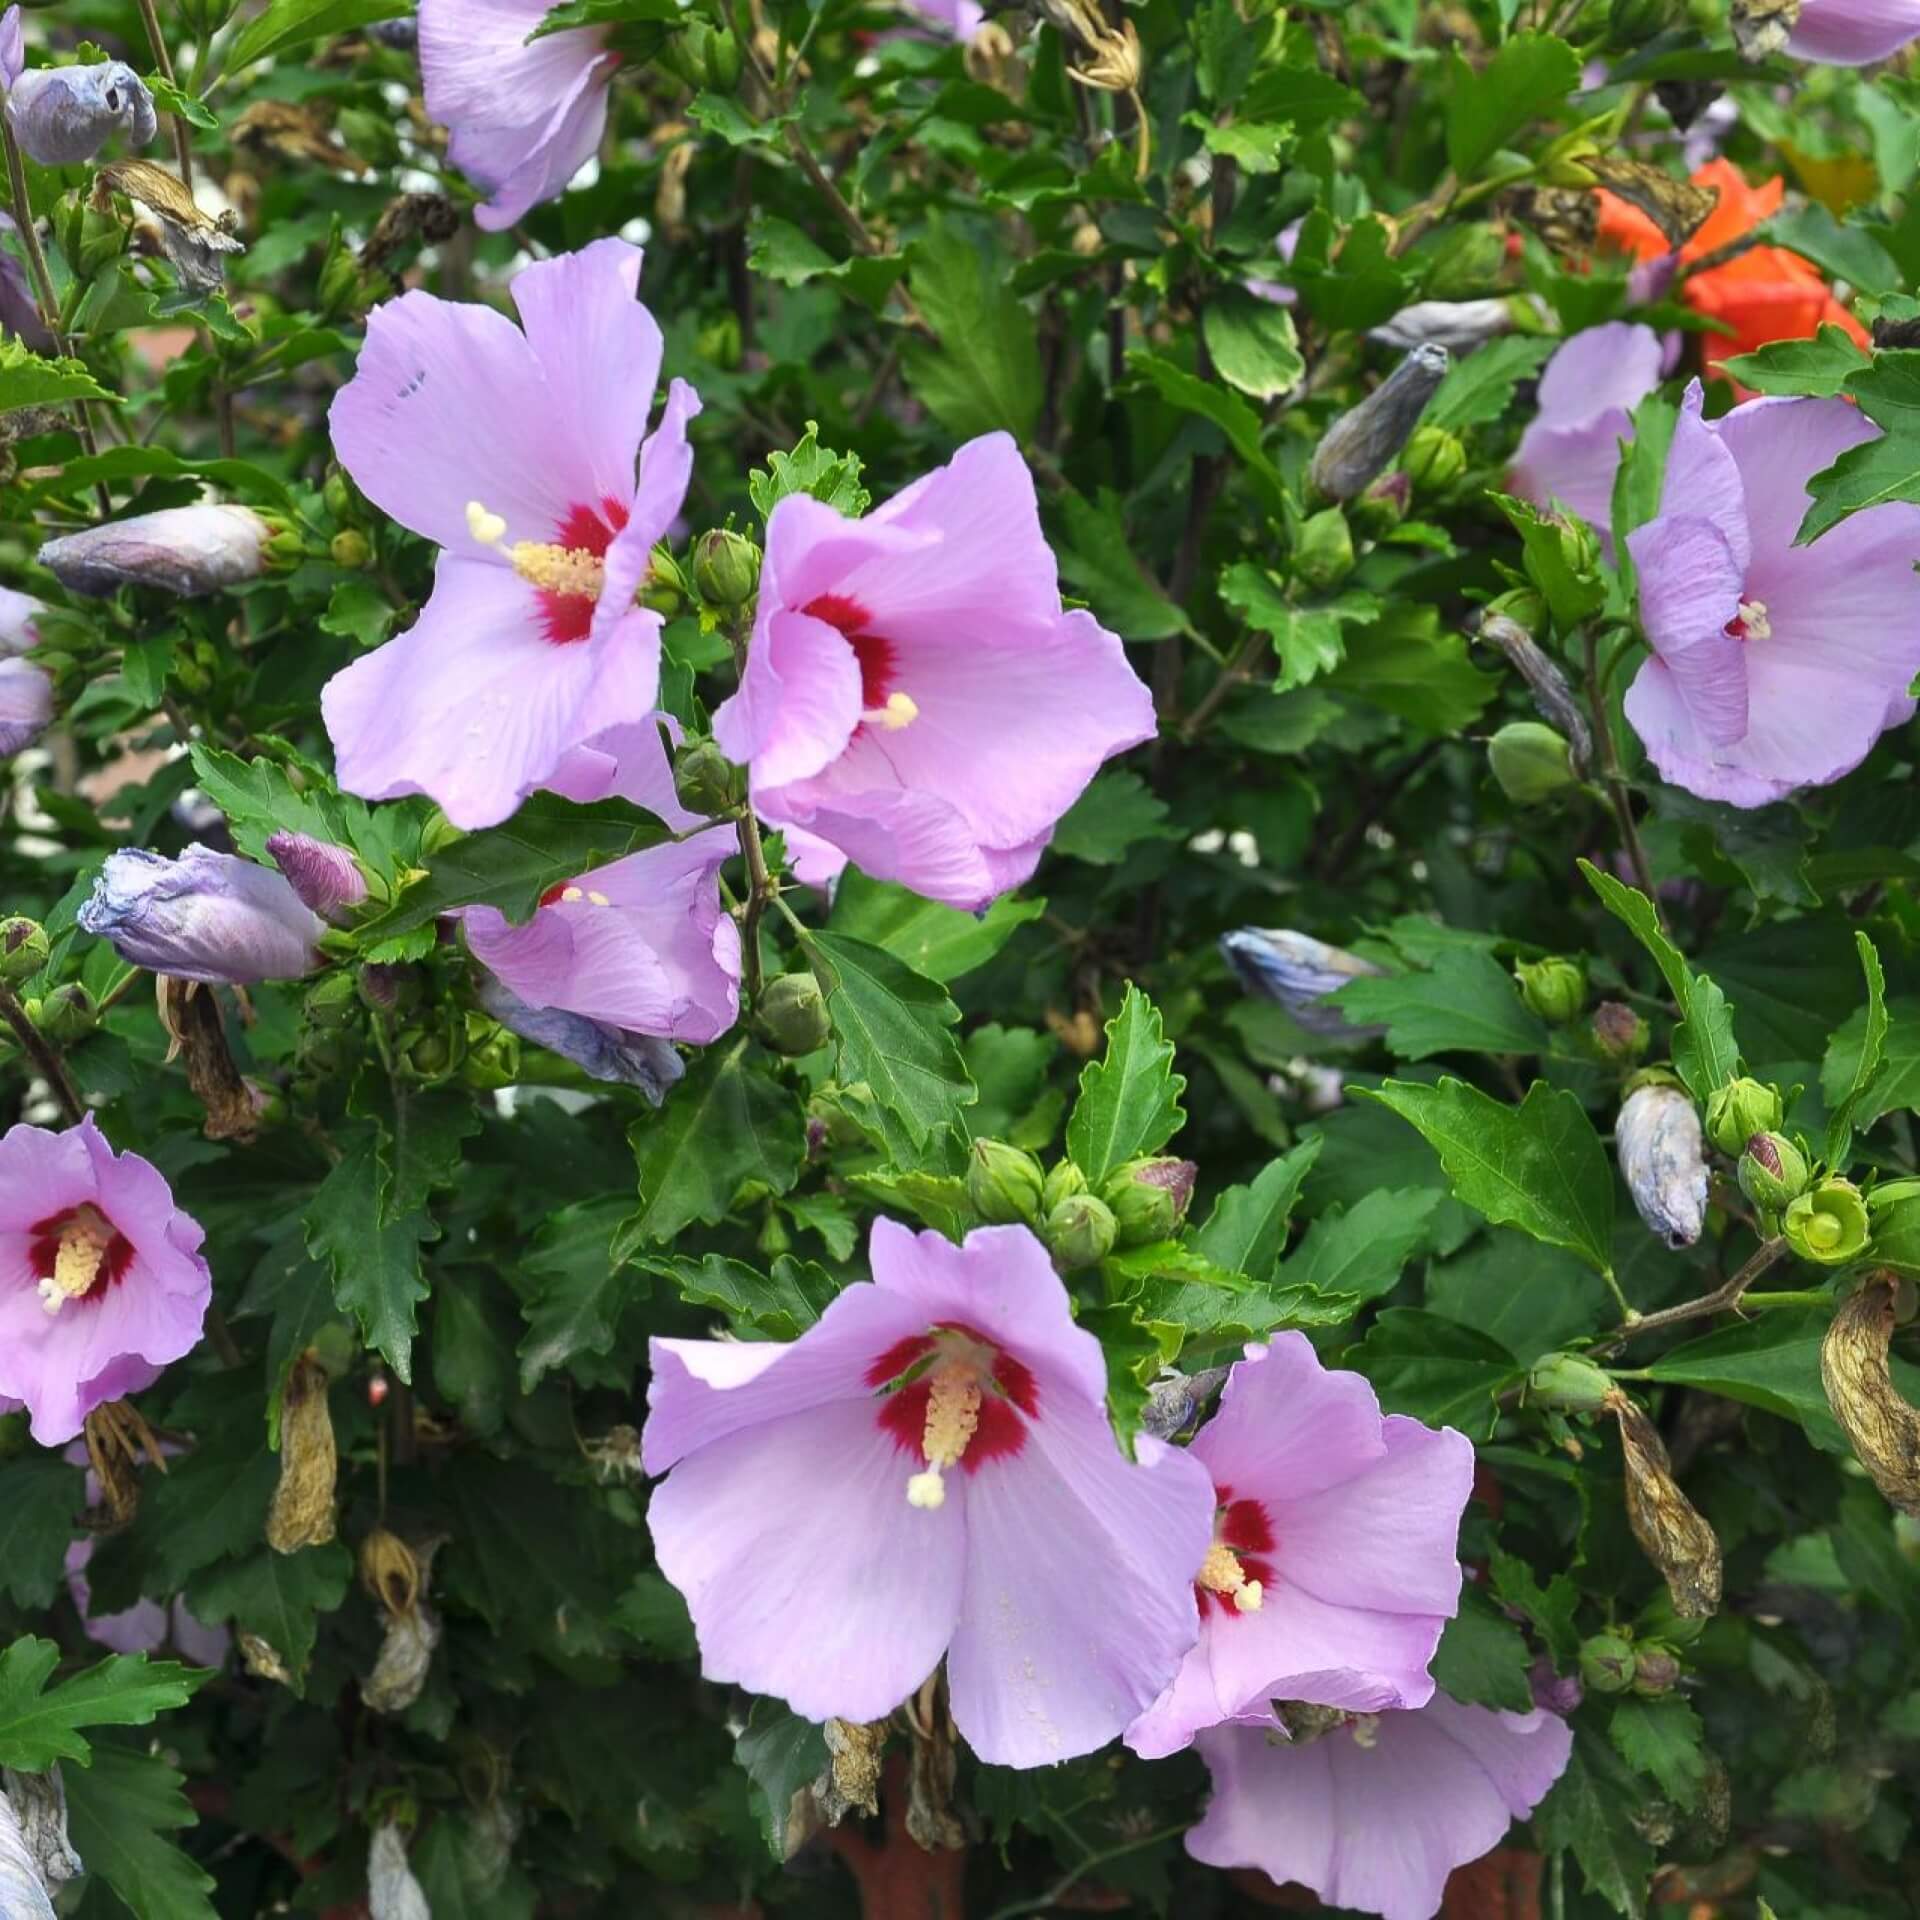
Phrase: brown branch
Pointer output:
(1612, 778)
(163, 65)
(1717, 1301)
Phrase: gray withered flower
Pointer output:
(63, 116)
(1360, 443)
(1662, 1155)
(186, 550)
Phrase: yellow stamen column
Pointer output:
(1221, 1572)
(953, 1412)
(76, 1261)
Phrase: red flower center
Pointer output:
(950, 1397)
(77, 1255)
(1239, 1562)
(882, 702)
(567, 617)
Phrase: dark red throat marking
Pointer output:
(567, 617)
(878, 662)
(44, 1249)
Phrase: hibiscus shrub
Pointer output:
(959, 959)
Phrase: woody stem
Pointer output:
(759, 892)
(1717, 1301)
(1615, 783)
(163, 65)
(35, 1045)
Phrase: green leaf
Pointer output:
(1571, 596)
(938, 1199)
(1530, 1298)
(726, 1123)
(40, 1501)
(1364, 1249)
(1129, 1100)
(1227, 411)
(375, 1263)
(1309, 641)
(1590, 1813)
(1441, 1373)
(1896, 1088)
(1884, 468)
(780, 251)
(119, 1811)
(1539, 1166)
(211, 1502)
(457, 1862)
(40, 1725)
(985, 371)
(1117, 812)
(1479, 388)
(29, 380)
(937, 941)
(1352, 286)
(1847, 253)
(891, 1031)
(814, 470)
(473, 1335)
(1467, 1003)
(1552, 1609)
(287, 792)
(1664, 1739)
(1869, 1061)
(1530, 74)
(1482, 1657)
(575, 1288)
(653, 1611)
(278, 1597)
(783, 1755)
(511, 866)
(1822, 365)
(1248, 1225)
(1705, 1054)
(1253, 344)
(175, 100)
(1771, 1361)
(1407, 664)
(291, 23)
(781, 1305)
(424, 1130)
(1099, 563)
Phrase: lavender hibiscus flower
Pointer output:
(1853, 33)
(26, 691)
(928, 1471)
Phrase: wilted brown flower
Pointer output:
(1763, 27)
(302, 1511)
(1677, 207)
(193, 240)
(1884, 1429)
(1671, 1531)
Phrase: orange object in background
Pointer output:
(1764, 294)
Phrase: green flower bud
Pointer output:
(726, 568)
(1828, 1225)
(342, 497)
(1531, 762)
(391, 988)
(793, 1015)
(1149, 1198)
(1655, 1670)
(1063, 1181)
(1434, 459)
(1632, 23)
(204, 17)
(1773, 1172)
(1523, 606)
(685, 55)
(719, 341)
(342, 287)
(1003, 1183)
(1555, 988)
(723, 61)
(1607, 1663)
(350, 549)
(1079, 1232)
(93, 239)
(1382, 507)
(23, 949)
(67, 1014)
(1566, 1383)
(493, 1054)
(1619, 1034)
(438, 1052)
(705, 780)
(1324, 554)
(332, 1002)
(1739, 1110)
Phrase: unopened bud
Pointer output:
(1773, 1172)
(1671, 1531)
(705, 781)
(302, 1511)
(1079, 1232)
(1663, 1159)
(493, 1054)
(1362, 442)
(350, 548)
(1434, 459)
(1739, 1110)
(1382, 507)
(1003, 1183)
(438, 1052)
(1063, 1181)
(1558, 1693)
(793, 1015)
(1554, 988)
(1619, 1034)
(723, 61)
(1149, 1198)
(332, 1004)
(23, 949)
(1606, 1663)
(1655, 1671)
(1323, 553)
(1828, 1224)
(726, 568)
(63, 116)
(1567, 1383)
(1884, 1428)
(67, 1014)
(93, 238)
(185, 550)
(1531, 763)
(327, 878)
(1547, 684)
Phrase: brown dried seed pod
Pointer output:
(1671, 1530)
(302, 1511)
(391, 1571)
(1884, 1429)
(853, 1775)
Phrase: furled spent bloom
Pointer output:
(1774, 666)
(1764, 294)
(205, 916)
(600, 1051)
(1364, 438)
(1853, 33)
(525, 118)
(13, 47)
(515, 450)
(1374, 1813)
(63, 116)
(327, 878)
(928, 1471)
(1662, 1156)
(19, 311)
(1333, 1565)
(26, 691)
(1571, 451)
(915, 695)
(147, 1625)
(190, 551)
(101, 1279)
(1298, 972)
(962, 18)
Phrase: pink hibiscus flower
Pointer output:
(928, 1471)
(515, 450)
(1854, 33)
(915, 695)
(101, 1279)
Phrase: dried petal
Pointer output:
(853, 1775)
(23, 1893)
(406, 1655)
(1677, 207)
(302, 1511)
(1884, 1429)
(1762, 28)
(1671, 1530)
(392, 1891)
(1548, 685)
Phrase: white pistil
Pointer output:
(1753, 617)
(571, 894)
(901, 710)
(953, 1412)
(1366, 1730)
(77, 1260)
(1221, 1572)
(553, 568)
(487, 528)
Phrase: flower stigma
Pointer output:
(1751, 622)
(1221, 1573)
(574, 572)
(77, 1260)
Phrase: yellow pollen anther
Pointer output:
(487, 528)
(76, 1262)
(1753, 616)
(1366, 1730)
(1221, 1572)
(901, 710)
(571, 894)
(563, 570)
(953, 1411)
(598, 899)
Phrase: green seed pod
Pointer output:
(1323, 556)
(1828, 1225)
(1739, 1110)
(1531, 761)
(23, 949)
(1079, 1232)
(67, 1014)
(793, 1015)
(332, 1002)
(705, 780)
(1004, 1184)
(1554, 988)
(726, 568)
(723, 61)
(1149, 1198)
(1773, 1171)
(342, 497)
(1063, 1181)
(1607, 1663)
(1567, 1383)
(1434, 459)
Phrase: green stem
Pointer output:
(44, 1055)
(163, 65)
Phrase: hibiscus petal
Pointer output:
(813, 677)
(1690, 592)
(1598, 371)
(666, 464)
(1854, 33)
(1287, 1422)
